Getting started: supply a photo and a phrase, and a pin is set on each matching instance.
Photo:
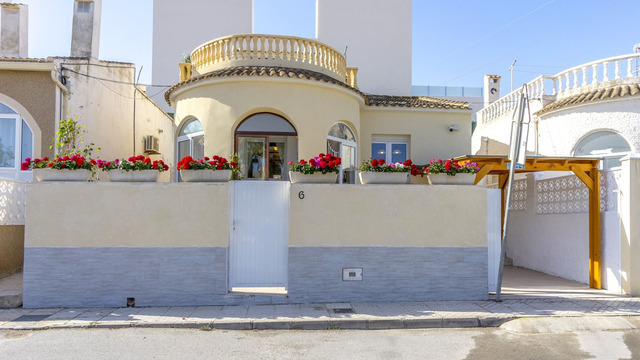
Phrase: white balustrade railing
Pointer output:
(573, 81)
(12, 195)
(256, 49)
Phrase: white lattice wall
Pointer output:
(568, 194)
(519, 195)
(11, 202)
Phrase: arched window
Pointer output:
(191, 140)
(16, 142)
(604, 144)
(341, 142)
(265, 143)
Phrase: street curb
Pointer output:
(306, 324)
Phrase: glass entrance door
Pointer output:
(251, 151)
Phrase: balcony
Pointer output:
(600, 74)
(268, 50)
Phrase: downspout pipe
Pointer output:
(65, 98)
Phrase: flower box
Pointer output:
(458, 179)
(315, 178)
(372, 177)
(62, 174)
(205, 175)
(119, 175)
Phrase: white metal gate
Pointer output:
(259, 242)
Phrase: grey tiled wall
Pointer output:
(389, 273)
(89, 277)
(106, 277)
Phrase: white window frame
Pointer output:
(15, 171)
(389, 141)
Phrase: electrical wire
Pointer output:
(111, 80)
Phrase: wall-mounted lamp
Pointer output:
(453, 128)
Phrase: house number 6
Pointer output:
(301, 195)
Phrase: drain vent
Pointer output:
(343, 311)
(131, 302)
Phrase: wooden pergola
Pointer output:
(586, 169)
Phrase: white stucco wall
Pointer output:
(106, 108)
(178, 28)
(561, 130)
(378, 36)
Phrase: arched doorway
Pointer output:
(606, 144)
(16, 143)
(265, 143)
(341, 142)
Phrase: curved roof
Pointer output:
(422, 102)
(595, 95)
(270, 71)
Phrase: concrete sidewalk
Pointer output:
(400, 315)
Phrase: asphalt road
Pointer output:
(154, 343)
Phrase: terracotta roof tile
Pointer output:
(423, 102)
(595, 95)
(270, 71)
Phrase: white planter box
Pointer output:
(62, 175)
(317, 178)
(458, 179)
(372, 177)
(205, 175)
(118, 175)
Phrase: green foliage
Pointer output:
(69, 139)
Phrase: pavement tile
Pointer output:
(233, 312)
(93, 315)
(122, 314)
(288, 312)
(67, 314)
(417, 309)
(206, 313)
(314, 311)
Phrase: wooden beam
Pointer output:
(586, 179)
(595, 268)
(484, 170)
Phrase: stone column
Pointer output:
(13, 30)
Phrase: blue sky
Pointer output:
(455, 42)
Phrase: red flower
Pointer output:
(338, 161)
(206, 158)
(24, 166)
(290, 162)
(234, 164)
(62, 165)
(165, 167)
(381, 161)
(80, 161)
(407, 163)
(132, 159)
(147, 160)
(50, 165)
(93, 162)
(302, 162)
(374, 162)
(447, 165)
(219, 166)
(321, 155)
(323, 164)
(332, 164)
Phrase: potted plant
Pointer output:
(377, 171)
(323, 168)
(136, 168)
(212, 169)
(65, 168)
(451, 172)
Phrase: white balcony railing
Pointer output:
(576, 80)
(268, 50)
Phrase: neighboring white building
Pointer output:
(375, 33)
(588, 110)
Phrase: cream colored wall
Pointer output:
(311, 107)
(106, 108)
(629, 225)
(428, 131)
(126, 214)
(388, 215)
